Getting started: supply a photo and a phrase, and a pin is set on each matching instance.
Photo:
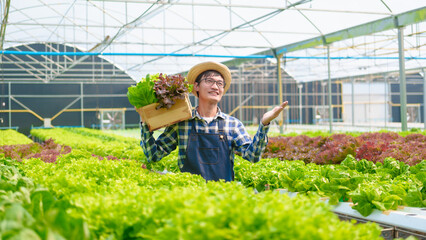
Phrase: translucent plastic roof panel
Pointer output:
(142, 36)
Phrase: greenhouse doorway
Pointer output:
(112, 119)
(413, 113)
(322, 115)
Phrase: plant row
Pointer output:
(339, 182)
(94, 141)
(333, 149)
(48, 151)
(121, 200)
(101, 145)
(317, 133)
(28, 211)
(368, 185)
(11, 137)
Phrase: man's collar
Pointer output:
(219, 114)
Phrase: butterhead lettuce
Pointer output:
(143, 93)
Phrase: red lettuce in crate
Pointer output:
(168, 89)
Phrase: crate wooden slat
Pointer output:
(156, 119)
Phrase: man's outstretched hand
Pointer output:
(271, 115)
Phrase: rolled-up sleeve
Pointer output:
(250, 150)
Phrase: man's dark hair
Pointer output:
(207, 73)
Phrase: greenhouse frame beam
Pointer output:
(411, 70)
(26, 108)
(155, 28)
(330, 98)
(25, 68)
(424, 97)
(388, 23)
(65, 108)
(4, 23)
(221, 34)
(241, 103)
(202, 4)
(402, 80)
(280, 90)
(392, 22)
(96, 48)
(100, 47)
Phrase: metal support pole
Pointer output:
(385, 78)
(353, 101)
(10, 105)
(330, 110)
(424, 98)
(102, 119)
(280, 89)
(81, 105)
(402, 83)
(300, 86)
(123, 119)
(240, 92)
(324, 97)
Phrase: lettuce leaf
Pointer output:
(170, 88)
(143, 93)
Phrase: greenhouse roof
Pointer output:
(144, 37)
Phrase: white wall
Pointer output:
(370, 102)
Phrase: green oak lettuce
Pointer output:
(143, 93)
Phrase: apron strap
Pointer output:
(193, 126)
(221, 123)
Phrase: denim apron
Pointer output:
(208, 155)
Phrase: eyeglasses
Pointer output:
(210, 82)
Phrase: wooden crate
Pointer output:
(156, 119)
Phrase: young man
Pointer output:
(208, 140)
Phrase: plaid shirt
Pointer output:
(177, 136)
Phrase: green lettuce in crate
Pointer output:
(143, 93)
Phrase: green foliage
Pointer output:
(143, 93)
(31, 212)
(362, 166)
(370, 186)
(87, 183)
(168, 163)
(94, 141)
(377, 195)
(419, 168)
(393, 167)
(417, 196)
(161, 88)
(13, 137)
(121, 200)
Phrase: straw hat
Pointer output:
(196, 70)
